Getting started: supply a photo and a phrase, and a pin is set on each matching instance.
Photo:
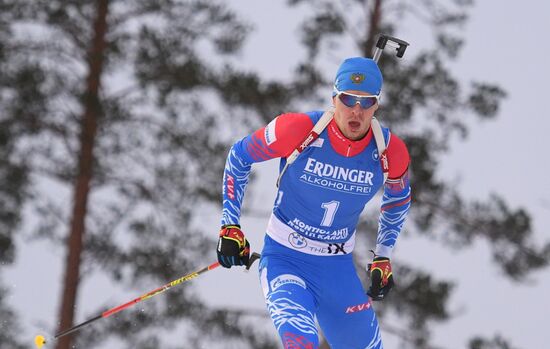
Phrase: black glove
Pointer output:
(381, 278)
(233, 248)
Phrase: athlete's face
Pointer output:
(353, 121)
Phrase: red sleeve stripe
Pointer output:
(258, 150)
(396, 204)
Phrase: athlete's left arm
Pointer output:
(397, 197)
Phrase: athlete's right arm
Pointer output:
(278, 139)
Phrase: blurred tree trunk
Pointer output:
(373, 28)
(84, 175)
(158, 141)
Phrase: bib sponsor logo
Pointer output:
(294, 341)
(354, 181)
(269, 132)
(357, 308)
(230, 184)
(297, 240)
(318, 143)
(312, 135)
(339, 173)
(334, 185)
(385, 165)
(336, 248)
(331, 249)
(286, 279)
(317, 233)
(375, 155)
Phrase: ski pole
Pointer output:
(383, 40)
(40, 340)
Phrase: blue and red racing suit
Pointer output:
(306, 269)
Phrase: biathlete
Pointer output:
(306, 268)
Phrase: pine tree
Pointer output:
(427, 107)
(13, 183)
(124, 108)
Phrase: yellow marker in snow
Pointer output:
(39, 341)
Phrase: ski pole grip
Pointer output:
(383, 40)
(252, 259)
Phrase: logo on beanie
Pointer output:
(357, 78)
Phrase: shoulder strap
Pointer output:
(381, 145)
(312, 136)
